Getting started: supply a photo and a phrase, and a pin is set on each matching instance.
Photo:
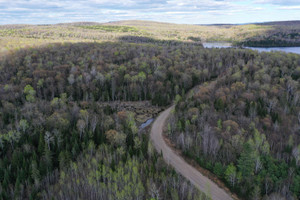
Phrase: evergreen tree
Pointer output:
(246, 162)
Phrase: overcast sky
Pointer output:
(175, 11)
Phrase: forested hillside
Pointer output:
(269, 34)
(58, 141)
(265, 34)
(282, 34)
(244, 126)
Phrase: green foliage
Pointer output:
(104, 173)
(219, 123)
(239, 123)
(218, 169)
(246, 161)
(23, 124)
(195, 39)
(109, 28)
(296, 185)
(177, 98)
(35, 173)
(219, 105)
(30, 93)
(231, 174)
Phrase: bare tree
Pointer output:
(93, 123)
(154, 191)
(296, 154)
(48, 139)
(81, 126)
(271, 104)
(258, 165)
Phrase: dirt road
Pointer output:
(180, 165)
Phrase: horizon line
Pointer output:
(208, 24)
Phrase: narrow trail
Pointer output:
(181, 166)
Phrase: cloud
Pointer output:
(108, 9)
(290, 7)
(279, 2)
(180, 11)
(282, 4)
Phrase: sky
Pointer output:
(173, 11)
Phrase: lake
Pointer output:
(260, 49)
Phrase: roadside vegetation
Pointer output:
(244, 126)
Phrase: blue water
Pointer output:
(284, 49)
(217, 45)
(260, 49)
(146, 123)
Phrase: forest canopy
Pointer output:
(240, 120)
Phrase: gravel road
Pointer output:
(180, 165)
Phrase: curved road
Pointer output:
(180, 165)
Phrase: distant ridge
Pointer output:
(282, 23)
(218, 24)
(80, 23)
(148, 22)
(137, 22)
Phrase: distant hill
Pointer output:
(282, 23)
(272, 23)
(137, 23)
(267, 34)
(80, 23)
(285, 33)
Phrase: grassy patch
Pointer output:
(122, 29)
